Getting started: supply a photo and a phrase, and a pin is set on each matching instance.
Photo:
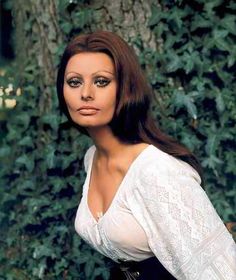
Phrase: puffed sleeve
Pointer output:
(183, 229)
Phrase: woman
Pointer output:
(142, 204)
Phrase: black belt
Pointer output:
(149, 269)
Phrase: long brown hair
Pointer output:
(132, 121)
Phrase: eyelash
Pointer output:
(103, 82)
(75, 82)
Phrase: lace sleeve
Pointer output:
(184, 231)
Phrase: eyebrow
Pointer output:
(92, 73)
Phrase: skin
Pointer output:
(90, 81)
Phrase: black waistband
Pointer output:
(148, 269)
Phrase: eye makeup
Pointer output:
(102, 81)
(74, 82)
(99, 81)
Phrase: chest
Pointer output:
(103, 187)
(109, 234)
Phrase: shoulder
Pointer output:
(162, 167)
(181, 224)
(88, 156)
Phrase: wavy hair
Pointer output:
(132, 121)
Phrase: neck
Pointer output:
(107, 145)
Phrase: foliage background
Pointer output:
(187, 50)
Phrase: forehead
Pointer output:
(90, 62)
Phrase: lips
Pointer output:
(88, 110)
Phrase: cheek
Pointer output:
(112, 98)
(109, 107)
(114, 103)
(70, 98)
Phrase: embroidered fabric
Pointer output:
(182, 227)
(109, 233)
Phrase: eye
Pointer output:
(102, 82)
(74, 82)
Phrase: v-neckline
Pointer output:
(131, 166)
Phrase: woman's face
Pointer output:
(90, 89)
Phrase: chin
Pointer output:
(92, 124)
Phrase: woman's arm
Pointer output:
(184, 231)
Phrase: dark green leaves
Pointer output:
(196, 62)
(192, 72)
(186, 101)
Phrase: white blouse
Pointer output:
(160, 210)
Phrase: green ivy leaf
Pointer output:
(228, 22)
(5, 152)
(181, 100)
(26, 141)
(50, 156)
(66, 27)
(174, 63)
(26, 161)
(220, 105)
(43, 250)
(155, 17)
(52, 120)
(23, 119)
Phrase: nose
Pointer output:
(87, 92)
